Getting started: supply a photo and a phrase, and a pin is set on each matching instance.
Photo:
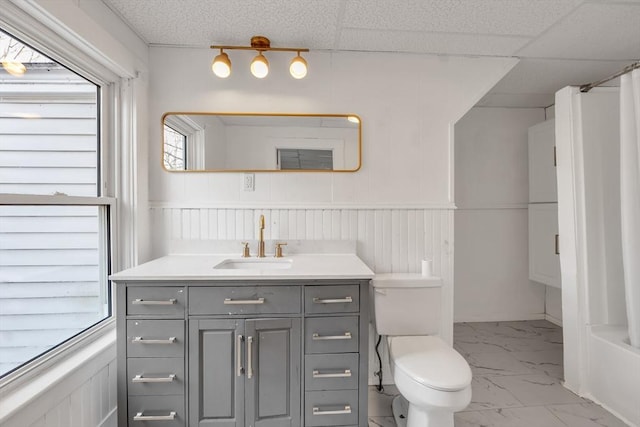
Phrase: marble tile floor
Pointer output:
(517, 373)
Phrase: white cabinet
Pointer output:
(544, 260)
(544, 264)
(542, 160)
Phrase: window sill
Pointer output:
(91, 351)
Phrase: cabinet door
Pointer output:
(544, 262)
(216, 382)
(542, 169)
(273, 372)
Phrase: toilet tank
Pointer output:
(407, 304)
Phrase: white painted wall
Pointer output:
(491, 228)
(408, 105)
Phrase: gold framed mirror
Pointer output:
(261, 142)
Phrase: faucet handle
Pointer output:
(279, 249)
(245, 251)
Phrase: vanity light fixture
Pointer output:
(260, 66)
(221, 65)
(298, 67)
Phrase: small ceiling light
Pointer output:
(221, 65)
(15, 68)
(260, 66)
(298, 67)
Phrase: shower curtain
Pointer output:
(630, 197)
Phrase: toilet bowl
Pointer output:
(434, 379)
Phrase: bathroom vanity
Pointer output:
(211, 340)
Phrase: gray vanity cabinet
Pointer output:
(244, 372)
(278, 353)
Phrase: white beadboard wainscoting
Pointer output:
(389, 239)
(77, 391)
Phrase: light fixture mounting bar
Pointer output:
(262, 49)
(261, 44)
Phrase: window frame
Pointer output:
(116, 105)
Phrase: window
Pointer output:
(299, 158)
(175, 149)
(54, 218)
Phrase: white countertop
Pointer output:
(201, 267)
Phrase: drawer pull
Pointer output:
(318, 411)
(317, 337)
(140, 301)
(141, 417)
(345, 374)
(141, 379)
(229, 301)
(140, 340)
(332, 300)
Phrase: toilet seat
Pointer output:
(430, 361)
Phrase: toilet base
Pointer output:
(406, 415)
(400, 409)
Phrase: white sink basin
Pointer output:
(255, 264)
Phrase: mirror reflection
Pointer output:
(260, 142)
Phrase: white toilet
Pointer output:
(433, 377)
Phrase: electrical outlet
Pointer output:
(249, 183)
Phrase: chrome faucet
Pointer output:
(261, 242)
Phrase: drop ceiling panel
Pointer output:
(201, 23)
(436, 43)
(499, 17)
(595, 31)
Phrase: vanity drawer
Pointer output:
(155, 376)
(331, 371)
(155, 338)
(156, 301)
(331, 335)
(244, 300)
(165, 411)
(330, 408)
(332, 299)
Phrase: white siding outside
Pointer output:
(50, 279)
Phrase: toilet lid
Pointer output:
(430, 361)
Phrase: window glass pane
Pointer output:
(48, 125)
(293, 158)
(52, 281)
(174, 149)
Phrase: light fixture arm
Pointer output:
(261, 44)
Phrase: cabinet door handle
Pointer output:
(317, 337)
(142, 417)
(140, 301)
(140, 340)
(229, 301)
(249, 357)
(345, 374)
(318, 411)
(333, 300)
(557, 244)
(141, 379)
(239, 367)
